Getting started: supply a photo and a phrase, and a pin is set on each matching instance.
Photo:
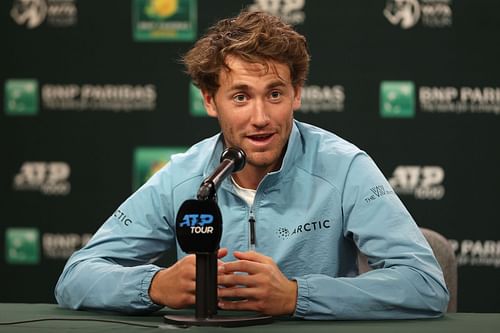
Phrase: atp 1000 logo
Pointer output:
(50, 178)
(424, 182)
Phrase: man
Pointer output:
(294, 217)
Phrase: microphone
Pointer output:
(232, 159)
(199, 222)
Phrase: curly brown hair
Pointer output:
(255, 37)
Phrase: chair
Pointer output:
(445, 256)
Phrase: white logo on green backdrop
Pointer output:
(397, 99)
(21, 97)
(22, 246)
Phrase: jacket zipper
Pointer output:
(251, 224)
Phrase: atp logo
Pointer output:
(199, 223)
(50, 178)
(291, 11)
(424, 182)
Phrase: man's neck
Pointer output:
(250, 177)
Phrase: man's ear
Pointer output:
(209, 103)
(297, 98)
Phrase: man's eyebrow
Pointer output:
(276, 84)
(239, 87)
(271, 85)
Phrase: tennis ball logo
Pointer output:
(162, 8)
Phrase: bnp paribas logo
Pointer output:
(21, 97)
(164, 20)
(196, 106)
(22, 246)
(148, 160)
(397, 99)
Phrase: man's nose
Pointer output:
(260, 116)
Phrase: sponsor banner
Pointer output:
(48, 178)
(427, 13)
(96, 97)
(326, 98)
(164, 20)
(399, 99)
(148, 160)
(421, 182)
(21, 97)
(23, 245)
(33, 13)
(464, 99)
(484, 253)
(290, 11)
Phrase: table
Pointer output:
(85, 321)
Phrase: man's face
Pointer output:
(255, 110)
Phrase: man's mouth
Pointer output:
(260, 137)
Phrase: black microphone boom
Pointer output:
(233, 159)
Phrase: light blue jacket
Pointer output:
(327, 200)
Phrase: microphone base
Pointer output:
(218, 320)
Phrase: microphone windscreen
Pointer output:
(198, 226)
(235, 154)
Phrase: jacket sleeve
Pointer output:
(113, 271)
(406, 280)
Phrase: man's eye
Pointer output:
(239, 98)
(275, 94)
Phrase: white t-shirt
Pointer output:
(245, 193)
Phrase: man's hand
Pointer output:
(175, 286)
(264, 288)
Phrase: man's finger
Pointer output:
(253, 256)
(246, 266)
(238, 292)
(243, 305)
(222, 253)
(236, 279)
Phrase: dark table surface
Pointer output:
(63, 320)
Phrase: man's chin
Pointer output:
(263, 160)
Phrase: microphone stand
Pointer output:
(206, 284)
(206, 267)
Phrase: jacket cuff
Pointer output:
(303, 304)
(144, 289)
